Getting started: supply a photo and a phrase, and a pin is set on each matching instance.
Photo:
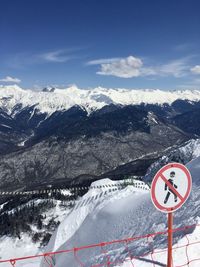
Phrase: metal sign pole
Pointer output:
(170, 239)
(172, 182)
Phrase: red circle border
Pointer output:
(164, 168)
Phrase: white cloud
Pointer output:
(131, 66)
(55, 56)
(195, 69)
(184, 47)
(22, 60)
(8, 79)
(147, 71)
(120, 67)
(177, 68)
(103, 61)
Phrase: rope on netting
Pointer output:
(50, 256)
(186, 250)
(150, 242)
(48, 259)
(13, 262)
(77, 258)
(105, 252)
(129, 253)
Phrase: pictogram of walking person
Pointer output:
(169, 190)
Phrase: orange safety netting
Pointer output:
(107, 260)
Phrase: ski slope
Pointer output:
(119, 215)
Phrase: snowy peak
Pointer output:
(48, 89)
(53, 99)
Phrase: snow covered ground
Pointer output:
(118, 215)
(123, 214)
(16, 248)
(11, 248)
(180, 256)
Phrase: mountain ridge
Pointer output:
(87, 133)
(49, 101)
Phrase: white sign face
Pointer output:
(171, 187)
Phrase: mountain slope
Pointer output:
(75, 135)
(122, 214)
(188, 121)
(183, 154)
(82, 158)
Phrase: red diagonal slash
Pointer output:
(171, 187)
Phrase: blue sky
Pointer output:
(109, 43)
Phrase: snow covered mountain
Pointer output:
(63, 137)
(183, 154)
(49, 101)
(116, 215)
(77, 135)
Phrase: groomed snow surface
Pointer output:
(93, 99)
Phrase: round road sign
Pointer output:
(171, 187)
